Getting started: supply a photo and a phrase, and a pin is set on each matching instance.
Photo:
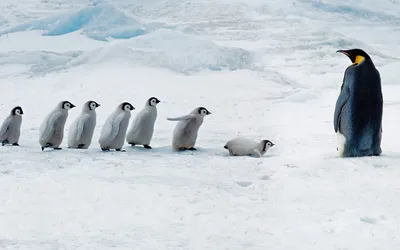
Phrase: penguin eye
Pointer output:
(17, 112)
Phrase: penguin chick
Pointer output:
(81, 130)
(241, 146)
(114, 129)
(185, 132)
(11, 128)
(358, 112)
(142, 128)
(51, 131)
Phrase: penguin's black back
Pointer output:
(366, 100)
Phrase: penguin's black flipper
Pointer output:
(341, 101)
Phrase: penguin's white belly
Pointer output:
(240, 150)
(241, 147)
(118, 142)
(341, 142)
(13, 137)
(86, 135)
(143, 132)
(58, 134)
(185, 134)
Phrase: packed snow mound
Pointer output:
(100, 22)
(174, 50)
(38, 61)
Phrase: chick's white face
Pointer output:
(128, 107)
(67, 106)
(93, 106)
(268, 144)
(153, 102)
(203, 111)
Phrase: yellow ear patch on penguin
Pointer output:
(358, 60)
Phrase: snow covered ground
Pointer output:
(265, 69)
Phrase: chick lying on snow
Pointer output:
(241, 146)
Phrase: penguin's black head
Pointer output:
(67, 105)
(203, 111)
(17, 111)
(267, 144)
(93, 105)
(153, 101)
(126, 106)
(356, 56)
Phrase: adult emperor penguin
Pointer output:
(142, 128)
(114, 129)
(11, 128)
(359, 107)
(241, 146)
(81, 130)
(185, 132)
(51, 131)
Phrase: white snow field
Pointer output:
(264, 69)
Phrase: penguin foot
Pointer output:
(42, 148)
(147, 146)
(15, 144)
(57, 148)
(120, 150)
(132, 144)
(105, 149)
(81, 145)
(4, 142)
(193, 149)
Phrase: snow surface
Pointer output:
(265, 70)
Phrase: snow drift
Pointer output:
(38, 61)
(174, 50)
(164, 48)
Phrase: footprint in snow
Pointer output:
(368, 220)
(244, 183)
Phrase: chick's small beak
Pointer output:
(208, 113)
(158, 101)
(98, 105)
(72, 105)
